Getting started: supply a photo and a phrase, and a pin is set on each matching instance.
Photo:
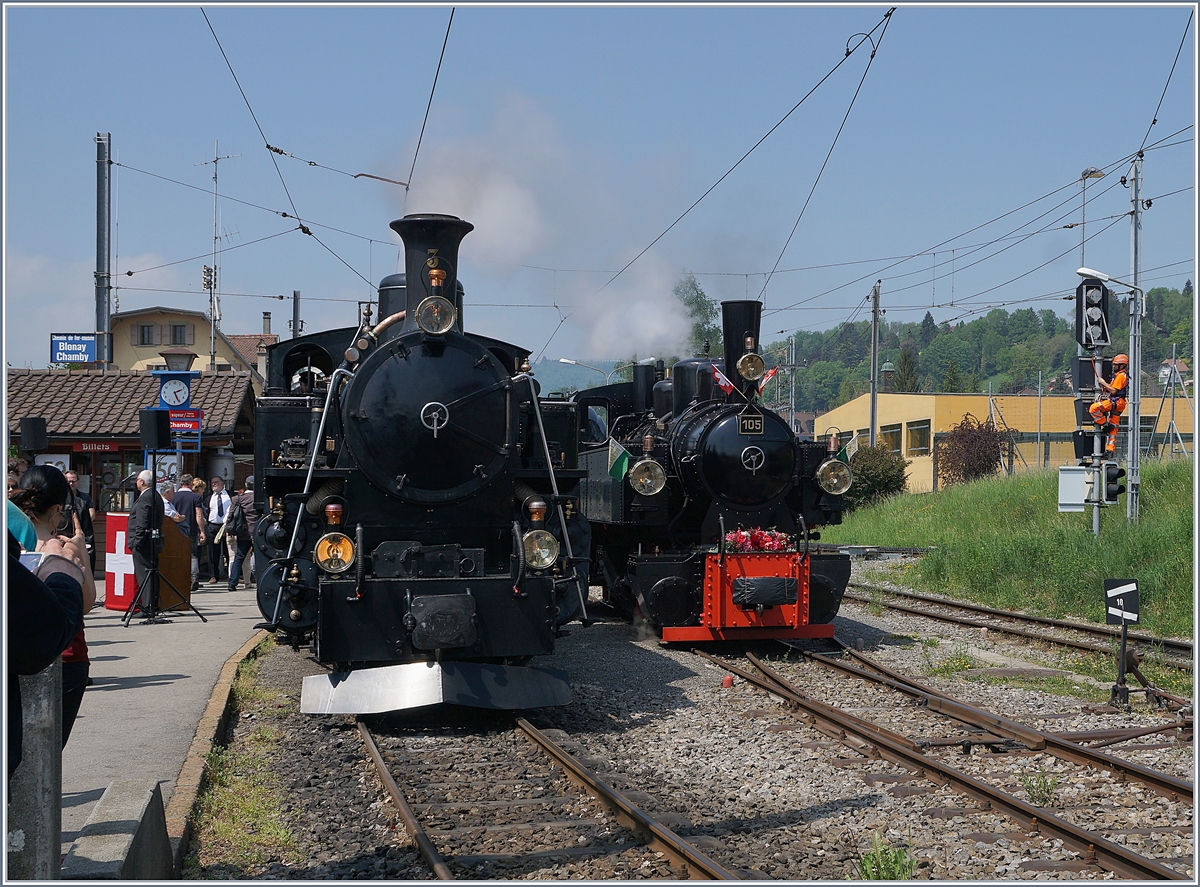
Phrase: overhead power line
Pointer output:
(429, 105)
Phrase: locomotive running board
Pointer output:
(415, 684)
(747, 633)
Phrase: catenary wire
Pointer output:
(1182, 40)
(870, 61)
(267, 145)
(207, 254)
(726, 174)
(429, 105)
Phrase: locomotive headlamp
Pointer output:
(834, 477)
(334, 553)
(751, 367)
(647, 477)
(541, 549)
(436, 315)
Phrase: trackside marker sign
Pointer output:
(1121, 601)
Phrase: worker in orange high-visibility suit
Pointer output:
(1107, 410)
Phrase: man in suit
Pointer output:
(145, 538)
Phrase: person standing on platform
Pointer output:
(44, 610)
(245, 501)
(218, 507)
(43, 496)
(145, 537)
(81, 503)
(187, 503)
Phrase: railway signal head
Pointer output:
(1091, 313)
(1112, 482)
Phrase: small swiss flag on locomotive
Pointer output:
(723, 383)
(767, 377)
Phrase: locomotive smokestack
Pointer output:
(740, 324)
(431, 243)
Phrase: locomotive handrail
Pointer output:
(312, 463)
(562, 521)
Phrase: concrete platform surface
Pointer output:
(152, 684)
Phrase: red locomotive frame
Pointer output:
(723, 620)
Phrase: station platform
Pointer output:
(151, 691)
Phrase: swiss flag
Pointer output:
(767, 377)
(723, 383)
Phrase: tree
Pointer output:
(1187, 289)
(878, 474)
(906, 378)
(703, 312)
(968, 451)
(952, 381)
(928, 329)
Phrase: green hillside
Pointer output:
(1002, 542)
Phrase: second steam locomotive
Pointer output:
(419, 501)
(711, 467)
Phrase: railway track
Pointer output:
(1102, 641)
(509, 803)
(921, 762)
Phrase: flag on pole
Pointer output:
(618, 460)
(847, 452)
(722, 382)
(767, 377)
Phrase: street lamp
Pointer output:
(1136, 310)
(1090, 173)
(576, 363)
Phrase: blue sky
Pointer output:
(572, 137)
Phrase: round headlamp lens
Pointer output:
(834, 477)
(751, 367)
(541, 549)
(334, 553)
(436, 315)
(647, 477)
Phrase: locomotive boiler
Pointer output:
(708, 534)
(420, 524)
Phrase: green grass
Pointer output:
(885, 863)
(1003, 543)
(237, 822)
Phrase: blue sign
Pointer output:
(72, 347)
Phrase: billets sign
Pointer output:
(1121, 603)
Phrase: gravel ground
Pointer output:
(730, 768)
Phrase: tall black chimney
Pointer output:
(740, 323)
(431, 243)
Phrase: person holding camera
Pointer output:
(80, 503)
(42, 494)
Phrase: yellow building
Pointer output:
(139, 338)
(910, 424)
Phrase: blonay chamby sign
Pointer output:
(72, 347)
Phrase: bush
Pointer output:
(968, 451)
(878, 473)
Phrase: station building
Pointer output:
(1039, 428)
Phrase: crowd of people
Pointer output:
(52, 564)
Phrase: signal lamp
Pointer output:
(536, 507)
(334, 553)
(834, 477)
(1112, 482)
(647, 477)
(333, 514)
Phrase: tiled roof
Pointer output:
(89, 402)
(250, 345)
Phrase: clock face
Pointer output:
(174, 392)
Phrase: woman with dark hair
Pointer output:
(42, 494)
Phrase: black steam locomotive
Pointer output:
(419, 501)
(708, 533)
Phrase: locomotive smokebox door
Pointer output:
(445, 620)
